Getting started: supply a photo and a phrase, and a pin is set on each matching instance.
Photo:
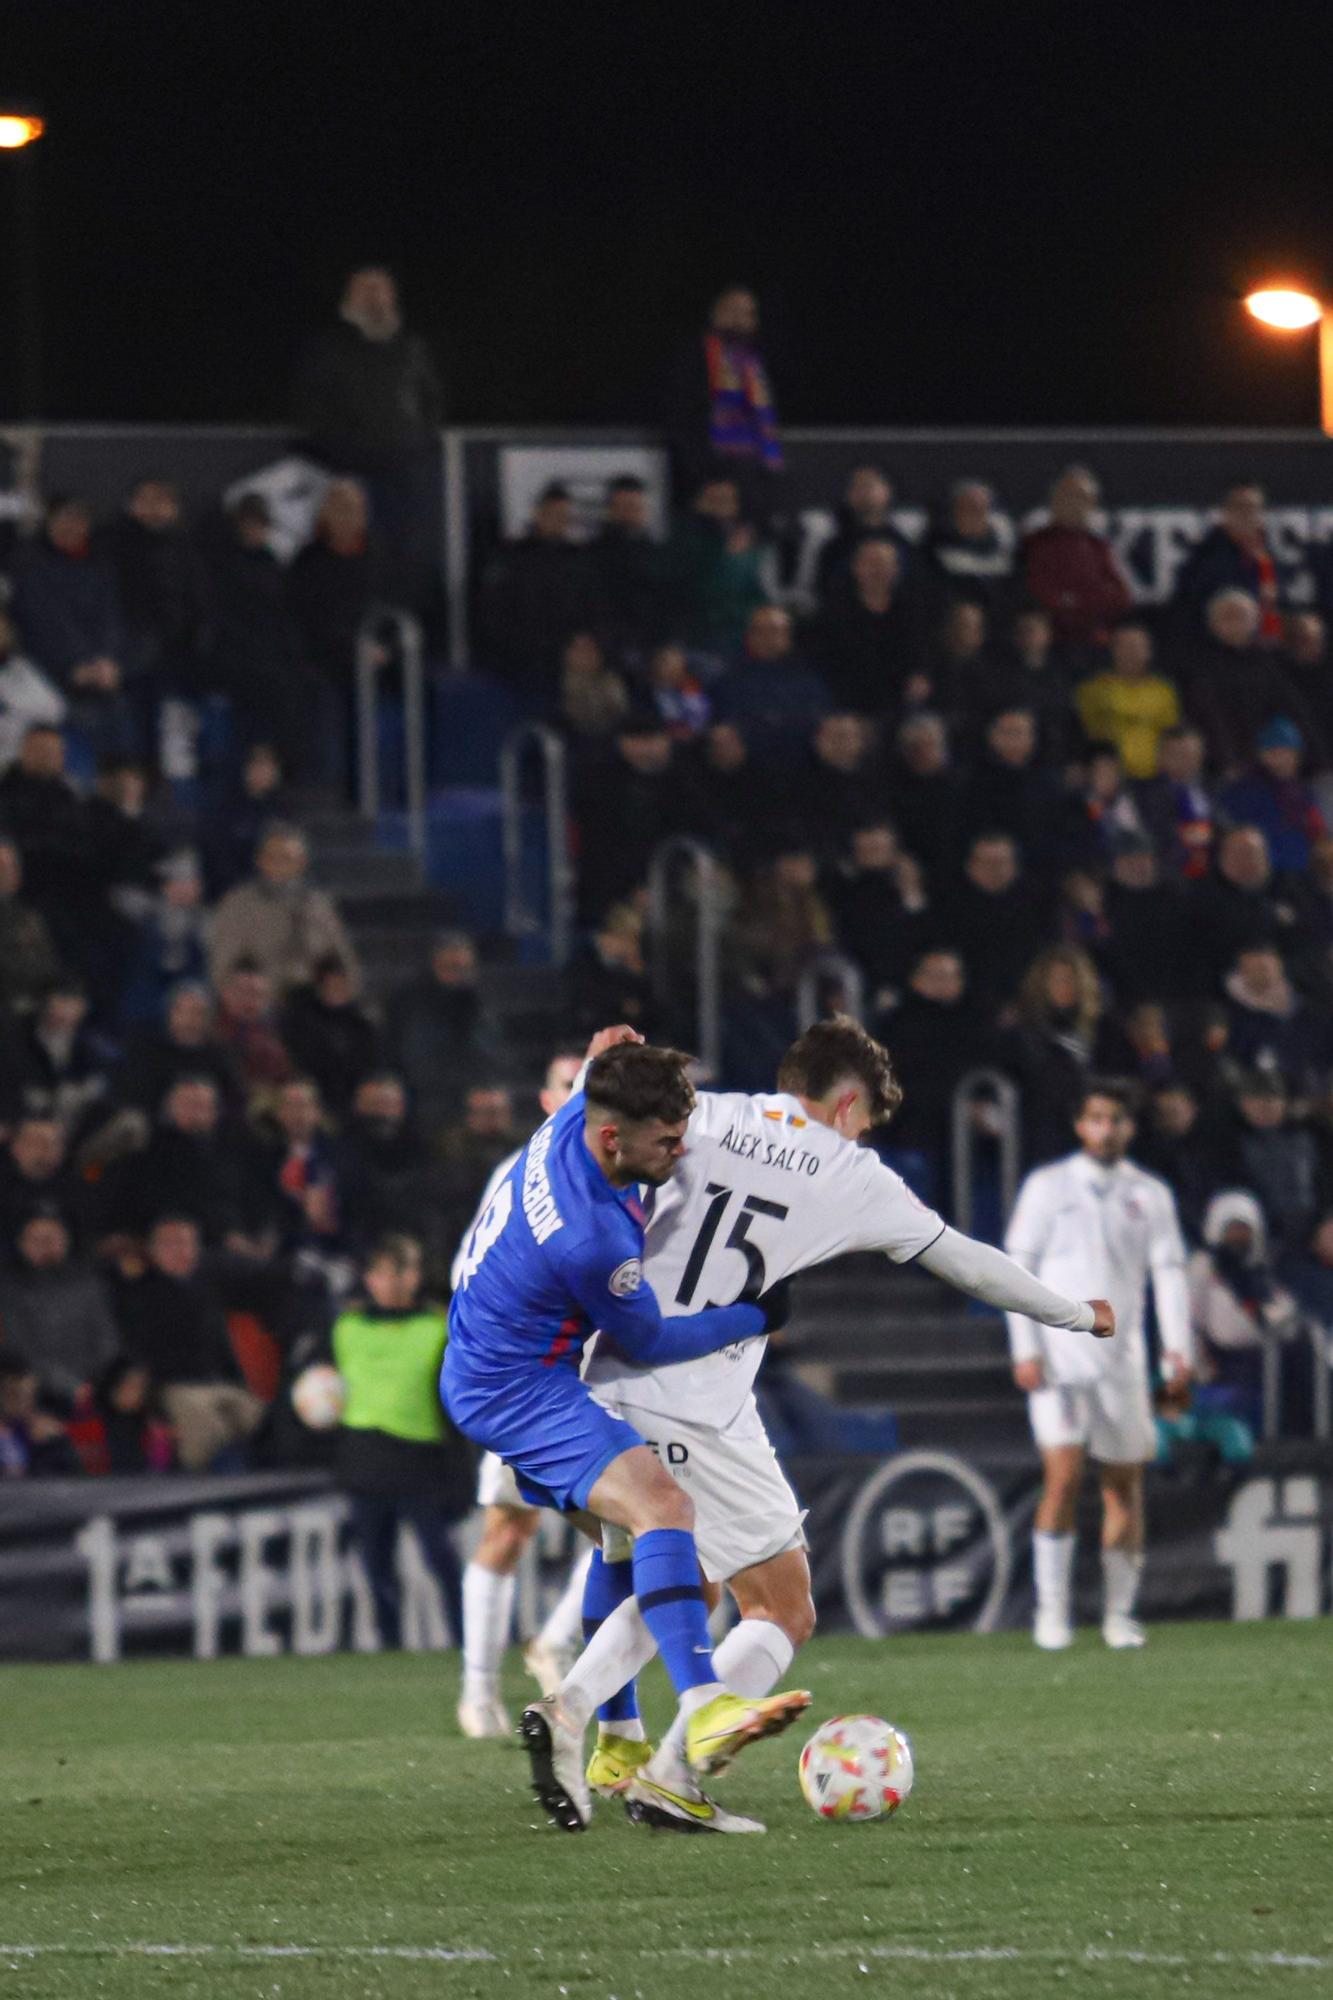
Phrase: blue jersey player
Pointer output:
(556, 1256)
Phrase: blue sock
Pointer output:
(607, 1586)
(671, 1598)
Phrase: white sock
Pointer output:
(631, 1730)
(699, 1697)
(751, 1659)
(488, 1607)
(564, 1626)
(619, 1649)
(1053, 1563)
(1121, 1570)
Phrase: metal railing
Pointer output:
(521, 920)
(1273, 1359)
(708, 915)
(829, 968)
(1000, 1094)
(372, 657)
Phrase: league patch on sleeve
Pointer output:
(626, 1278)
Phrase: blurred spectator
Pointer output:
(1010, 792)
(1070, 569)
(440, 1030)
(36, 1178)
(300, 1172)
(678, 695)
(925, 796)
(865, 515)
(1149, 954)
(1271, 1028)
(388, 1183)
(1138, 1046)
(127, 846)
(535, 593)
(27, 697)
(469, 1154)
(367, 396)
(722, 402)
(840, 788)
(770, 694)
(162, 595)
(1274, 1157)
(278, 918)
(609, 980)
(712, 565)
(1179, 1145)
(1274, 797)
(629, 570)
(736, 806)
(1050, 1051)
(190, 1167)
(328, 1034)
(334, 584)
(635, 795)
(1235, 685)
(246, 1027)
(1308, 1270)
(1306, 666)
(173, 1324)
(130, 1440)
(169, 944)
(1028, 675)
(27, 955)
(1177, 807)
(593, 697)
(399, 1458)
(1103, 813)
(1234, 555)
(158, 1056)
(968, 552)
(255, 653)
(879, 906)
(1000, 916)
(63, 1064)
(1240, 904)
(1128, 705)
(45, 816)
(783, 922)
(864, 642)
(1237, 1305)
(33, 1443)
(961, 674)
(66, 609)
(936, 1035)
(238, 825)
(56, 1310)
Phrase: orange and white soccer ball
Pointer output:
(856, 1767)
(318, 1396)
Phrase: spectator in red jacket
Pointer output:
(1071, 569)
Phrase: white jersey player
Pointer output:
(508, 1525)
(768, 1186)
(1098, 1218)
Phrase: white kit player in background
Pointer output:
(1096, 1218)
(768, 1186)
(508, 1525)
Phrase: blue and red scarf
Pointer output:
(742, 422)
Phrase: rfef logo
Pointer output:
(926, 1543)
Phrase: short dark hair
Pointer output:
(395, 1248)
(628, 482)
(828, 1053)
(1119, 1089)
(637, 1082)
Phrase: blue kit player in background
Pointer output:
(556, 1256)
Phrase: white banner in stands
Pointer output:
(587, 470)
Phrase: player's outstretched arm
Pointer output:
(990, 1275)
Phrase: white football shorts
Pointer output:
(497, 1485)
(744, 1510)
(1112, 1418)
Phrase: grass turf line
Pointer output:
(1123, 1824)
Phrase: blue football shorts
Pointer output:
(544, 1422)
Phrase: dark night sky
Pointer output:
(954, 214)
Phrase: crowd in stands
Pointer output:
(1049, 833)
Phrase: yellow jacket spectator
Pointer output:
(1127, 704)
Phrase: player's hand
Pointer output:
(1029, 1375)
(774, 1304)
(1103, 1318)
(611, 1038)
(1176, 1372)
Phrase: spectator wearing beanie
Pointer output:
(1273, 796)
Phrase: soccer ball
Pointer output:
(318, 1396)
(856, 1767)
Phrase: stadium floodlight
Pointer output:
(1291, 311)
(19, 129)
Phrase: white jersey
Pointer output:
(1100, 1232)
(762, 1192)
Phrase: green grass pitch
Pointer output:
(1088, 1824)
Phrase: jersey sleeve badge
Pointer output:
(626, 1279)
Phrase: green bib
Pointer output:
(391, 1366)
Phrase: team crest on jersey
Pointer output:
(626, 1278)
